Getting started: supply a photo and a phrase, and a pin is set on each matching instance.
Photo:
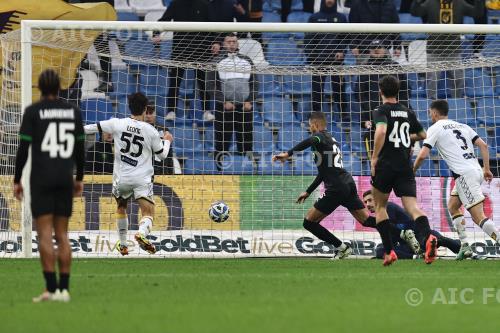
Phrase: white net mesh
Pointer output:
(230, 110)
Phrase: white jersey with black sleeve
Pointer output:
(455, 143)
(136, 142)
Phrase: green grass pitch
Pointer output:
(254, 295)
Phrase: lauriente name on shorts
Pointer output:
(452, 126)
(399, 114)
(133, 129)
(57, 114)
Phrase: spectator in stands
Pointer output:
(188, 46)
(286, 8)
(479, 39)
(165, 167)
(223, 11)
(367, 88)
(235, 90)
(374, 11)
(445, 47)
(326, 49)
(101, 44)
(252, 13)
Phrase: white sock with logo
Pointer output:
(459, 223)
(490, 229)
(146, 225)
(122, 224)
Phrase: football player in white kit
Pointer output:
(135, 144)
(454, 142)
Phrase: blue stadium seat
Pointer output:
(488, 110)
(263, 139)
(427, 169)
(478, 83)
(236, 165)
(141, 48)
(126, 16)
(268, 85)
(188, 84)
(96, 109)
(270, 17)
(339, 135)
(122, 110)
(304, 165)
(298, 17)
(460, 110)
(209, 140)
(186, 139)
(284, 52)
(200, 164)
(278, 110)
(304, 109)
(417, 85)
(421, 108)
(124, 83)
(297, 84)
(497, 84)
(410, 19)
(290, 135)
(356, 137)
(443, 169)
(166, 49)
(489, 139)
(267, 167)
(497, 139)
(153, 80)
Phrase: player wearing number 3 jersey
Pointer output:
(136, 142)
(396, 128)
(455, 143)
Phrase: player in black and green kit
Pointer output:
(54, 130)
(392, 169)
(340, 189)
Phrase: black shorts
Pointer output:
(56, 200)
(401, 181)
(332, 200)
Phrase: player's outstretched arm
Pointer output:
(422, 135)
(162, 147)
(485, 154)
(422, 155)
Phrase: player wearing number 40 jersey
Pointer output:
(455, 143)
(396, 128)
(53, 129)
(136, 142)
(340, 189)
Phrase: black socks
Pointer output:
(50, 281)
(422, 228)
(64, 281)
(384, 230)
(319, 231)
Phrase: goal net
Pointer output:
(232, 97)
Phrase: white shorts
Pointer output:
(468, 188)
(125, 191)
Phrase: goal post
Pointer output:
(294, 70)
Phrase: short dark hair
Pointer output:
(441, 106)
(137, 103)
(367, 193)
(150, 108)
(49, 83)
(389, 86)
(318, 116)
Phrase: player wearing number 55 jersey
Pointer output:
(396, 128)
(53, 129)
(340, 189)
(455, 143)
(136, 142)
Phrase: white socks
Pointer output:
(459, 223)
(490, 229)
(122, 223)
(146, 225)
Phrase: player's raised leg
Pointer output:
(122, 225)
(454, 207)
(145, 225)
(44, 225)
(383, 225)
(63, 256)
(422, 227)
